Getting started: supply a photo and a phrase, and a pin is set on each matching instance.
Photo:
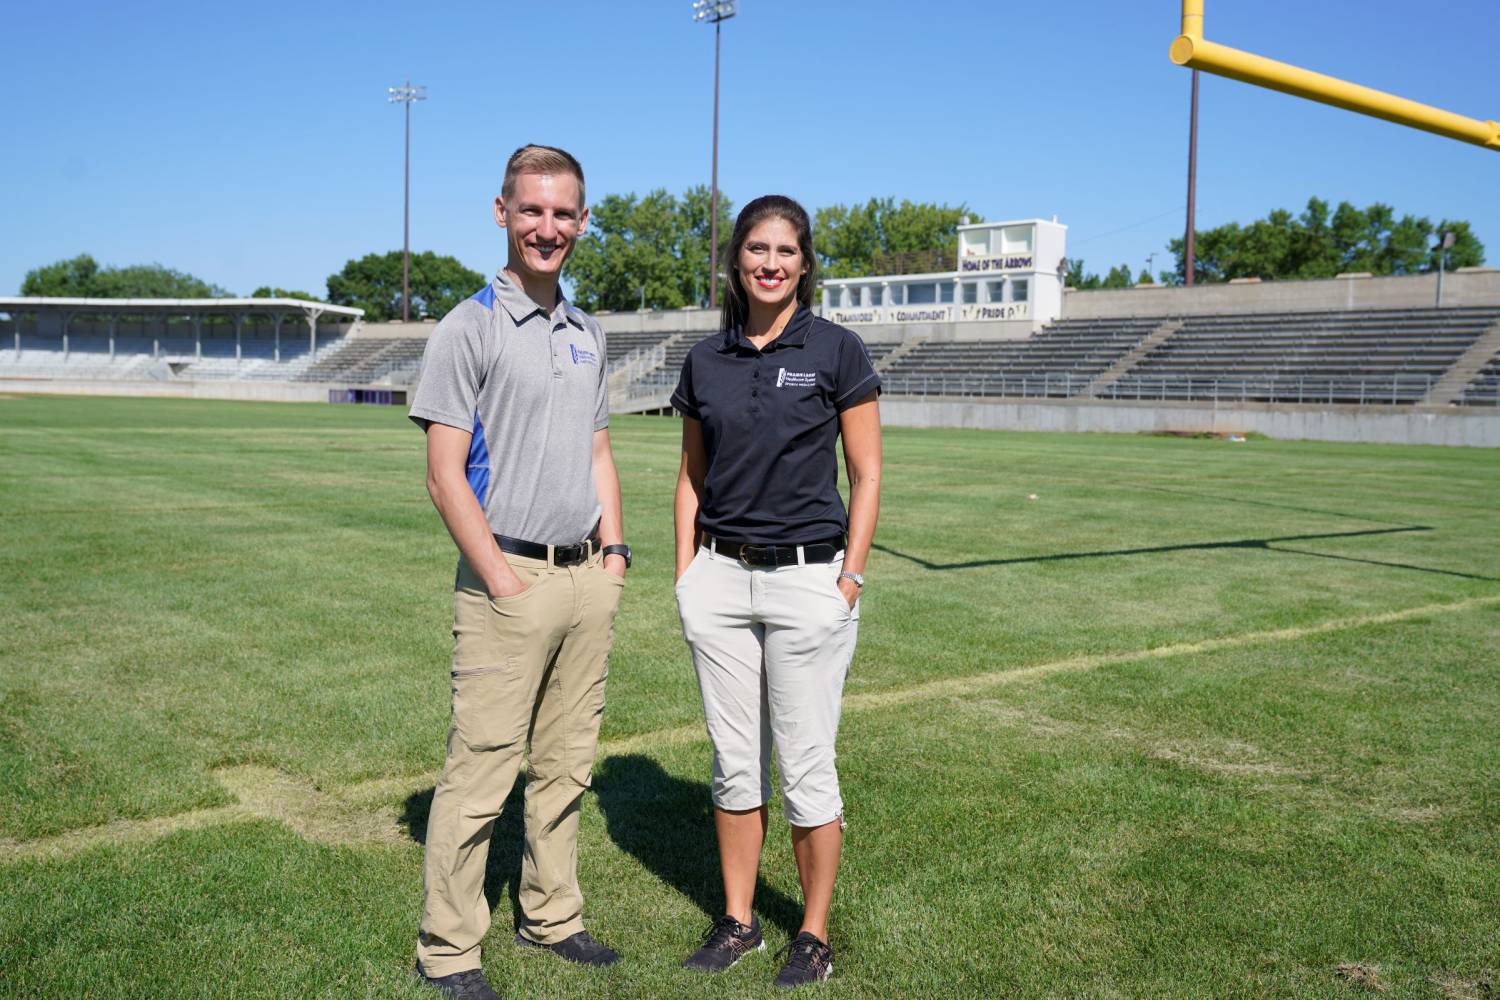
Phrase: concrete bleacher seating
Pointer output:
(1060, 360)
(88, 357)
(1374, 356)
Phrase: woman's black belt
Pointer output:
(752, 554)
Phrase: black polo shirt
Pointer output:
(770, 428)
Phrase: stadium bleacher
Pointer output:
(1059, 361)
(1372, 357)
(1385, 357)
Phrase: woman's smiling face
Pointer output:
(770, 263)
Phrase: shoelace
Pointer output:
(802, 954)
(722, 932)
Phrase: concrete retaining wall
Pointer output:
(1375, 424)
(1479, 287)
(272, 392)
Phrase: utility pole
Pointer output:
(406, 95)
(716, 14)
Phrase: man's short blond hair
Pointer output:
(534, 159)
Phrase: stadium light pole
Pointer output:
(1445, 243)
(406, 95)
(715, 13)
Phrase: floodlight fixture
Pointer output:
(406, 94)
(714, 12)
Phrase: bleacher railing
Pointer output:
(1366, 391)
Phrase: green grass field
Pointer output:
(1201, 719)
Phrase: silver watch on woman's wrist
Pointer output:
(858, 578)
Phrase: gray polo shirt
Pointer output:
(531, 387)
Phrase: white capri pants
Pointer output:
(771, 647)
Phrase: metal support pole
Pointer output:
(112, 321)
(1189, 257)
(713, 200)
(239, 319)
(197, 337)
(405, 221)
(406, 95)
(276, 342)
(67, 319)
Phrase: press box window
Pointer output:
(921, 295)
(971, 292)
(1019, 289)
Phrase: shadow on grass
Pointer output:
(502, 870)
(667, 824)
(1263, 544)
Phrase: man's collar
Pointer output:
(521, 307)
(793, 335)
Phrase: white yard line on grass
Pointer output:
(358, 813)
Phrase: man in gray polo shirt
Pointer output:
(513, 397)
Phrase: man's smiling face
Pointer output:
(542, 218)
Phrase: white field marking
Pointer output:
(360, 813)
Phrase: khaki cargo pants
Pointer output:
(528, 669)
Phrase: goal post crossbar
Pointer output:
(1192, 50)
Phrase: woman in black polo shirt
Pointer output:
(770, 565)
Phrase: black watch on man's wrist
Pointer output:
(617, 550)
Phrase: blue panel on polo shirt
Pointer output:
(770, 428)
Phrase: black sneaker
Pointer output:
(808, 960)
(725, 943)
(467, 985)
(580, 948)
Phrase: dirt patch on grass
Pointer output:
(1456, 987)
(317, 816)
(1223, 763)
(1362, 976)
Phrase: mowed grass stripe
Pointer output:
(264, 793)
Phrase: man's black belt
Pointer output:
(776, 555)
(562, 555)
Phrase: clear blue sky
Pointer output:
(252, 144)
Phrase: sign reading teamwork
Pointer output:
(930, 313)
(983, 265)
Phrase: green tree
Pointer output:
(1078, 276)
(1118, 277)
(1320, 244)
(267, 292)
(373, 283)
(82, 277)
(651, 250)
(847, 237)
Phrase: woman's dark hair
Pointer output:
(771, 206)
